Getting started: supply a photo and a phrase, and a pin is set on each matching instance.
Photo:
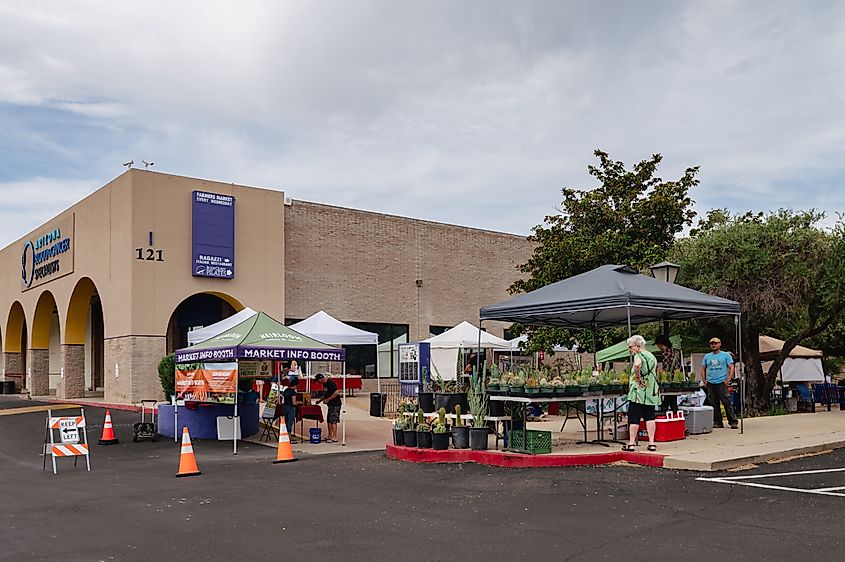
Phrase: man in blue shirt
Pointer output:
(717, 372)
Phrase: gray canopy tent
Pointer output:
(613, 295)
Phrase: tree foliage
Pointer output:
(630, 218)
(787, 274)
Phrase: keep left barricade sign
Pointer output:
(72, 439)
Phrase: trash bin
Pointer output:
(8, 387)
(377, 402)
(315, 435)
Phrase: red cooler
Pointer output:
(671, 427)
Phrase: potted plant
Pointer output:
(677, 381)
(450, 393)
(593, 382)
(516, 385)
(460, 432)
(546, 386)
(532, 386)
(478, 408)
(440, 432)
(663, 378)
(423, 434)
(426, 394)
(398, 433)
(409, 430)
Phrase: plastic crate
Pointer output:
(537, 442)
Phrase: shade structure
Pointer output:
(465, 335)
(324, 327)
(770, 348)
(619, 351)
(198, 336)
(260, 337)
(608, 296)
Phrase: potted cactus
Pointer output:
(546, 386)
(409, 430)
(663, 378)
(677, 381)
(478, 408)
(426, 394)
(460, 432)
(440, 432)
(450, 393)
(532, 386)
(398, 433)
(423, 432)
(516, 385)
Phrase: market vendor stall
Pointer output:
(611, 295)
(208, 371)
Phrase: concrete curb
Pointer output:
(515, 460)
(88, 404)
(716, 466)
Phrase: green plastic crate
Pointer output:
(538, 442)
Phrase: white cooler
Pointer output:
(699, 419)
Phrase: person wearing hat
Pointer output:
(717, 372)
(331, 396)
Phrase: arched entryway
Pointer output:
(14, 345)
(44, 361)
(82, 353)
(197, 311)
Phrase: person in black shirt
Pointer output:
(331, 396)
(291, 402)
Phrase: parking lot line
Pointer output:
(820, 492)
(796, 473)
(30, 409)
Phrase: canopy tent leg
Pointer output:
(738, 324)
(378, 371)
(343, 440)
(235, 424)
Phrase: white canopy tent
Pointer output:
(802, 365)
(206, 332)
(334, 332)
(445, 347)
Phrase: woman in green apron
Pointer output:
(643, 393)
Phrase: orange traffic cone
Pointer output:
(108, 437)
(285, 452)
(187, 460)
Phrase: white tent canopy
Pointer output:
(326, 328)
(802, 365)
(465, 335)
(202, 334)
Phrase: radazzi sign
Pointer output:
(49, 256)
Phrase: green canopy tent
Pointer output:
(619, 351)
(259, 337)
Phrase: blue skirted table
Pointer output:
(201, 420)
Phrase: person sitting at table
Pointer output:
(291, 402)
(331, 396)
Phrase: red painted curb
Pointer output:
(516, 460)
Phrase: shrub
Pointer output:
(167, 375)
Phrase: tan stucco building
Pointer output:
(92, 300)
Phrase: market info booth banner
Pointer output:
(207, 382)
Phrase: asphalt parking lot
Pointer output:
(366, 507)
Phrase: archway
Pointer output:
(196, 311)
(44, 362)
(15, 345)
(83, 348)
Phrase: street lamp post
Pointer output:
(668, 272)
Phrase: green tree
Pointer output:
(787, 274)
(630, 218)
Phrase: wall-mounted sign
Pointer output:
(213, 228)
(49, 255)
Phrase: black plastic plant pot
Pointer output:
(495, 408)
(440, 441)
(478, 438)
(398, 437)
(426, 401)
(424, 439)
(449, 400)
(460, 437)
(410, 436)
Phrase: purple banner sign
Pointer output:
(283, 354)
(222, 353)
(213, 223)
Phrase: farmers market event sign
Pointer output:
(49, 255)
(207, 382)
(213, 230)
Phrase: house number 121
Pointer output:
(149, 254)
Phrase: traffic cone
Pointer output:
(187, 460)
(108, 437)
(285, 451)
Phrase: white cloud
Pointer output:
(474, 112)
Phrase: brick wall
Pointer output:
(362, 266)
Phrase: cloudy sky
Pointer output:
(470, 112)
